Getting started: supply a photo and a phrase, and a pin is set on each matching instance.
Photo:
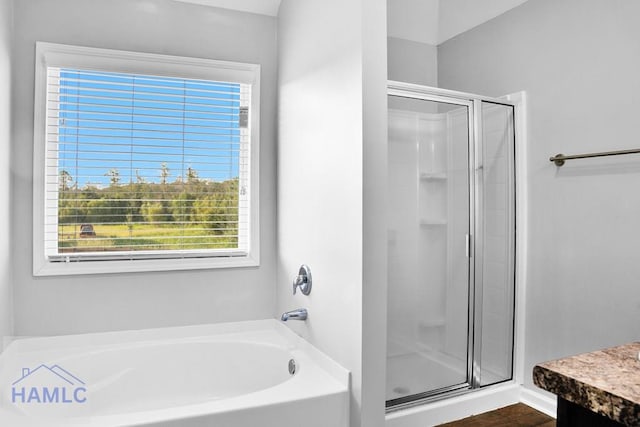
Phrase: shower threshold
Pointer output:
(416, 378)
(416, 375)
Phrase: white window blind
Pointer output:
(142, 166)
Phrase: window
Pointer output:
(143, 162)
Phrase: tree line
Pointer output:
(207, 204)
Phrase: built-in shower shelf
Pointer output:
(433, 223)
(433, 176)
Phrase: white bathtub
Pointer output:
(222, 375)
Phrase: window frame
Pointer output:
(107, 60)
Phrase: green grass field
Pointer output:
(141, 237)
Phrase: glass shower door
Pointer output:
(428, 260)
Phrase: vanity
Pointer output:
(601, 388)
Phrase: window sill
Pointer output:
(46, 268)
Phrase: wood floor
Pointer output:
(517, 415)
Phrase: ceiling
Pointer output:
(436, 21)
(424, 21)
(262, 7)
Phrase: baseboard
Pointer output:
(539, 401)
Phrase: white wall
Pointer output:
(331, 104)
(458, 16)
(6, 24)
(415, 20)
(63, 305)
(436, 21)
(320, 175)
(578, 62)
(412, 62)
(374, 241)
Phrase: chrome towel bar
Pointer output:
(559, 159)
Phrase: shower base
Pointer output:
(415, 373)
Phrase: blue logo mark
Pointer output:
(48, 384)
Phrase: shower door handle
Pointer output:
(467, 245)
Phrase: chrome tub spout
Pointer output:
(299, 314)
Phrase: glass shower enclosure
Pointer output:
(451, 243)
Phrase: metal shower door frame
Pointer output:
(473, 103)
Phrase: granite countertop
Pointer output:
(604, 381)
